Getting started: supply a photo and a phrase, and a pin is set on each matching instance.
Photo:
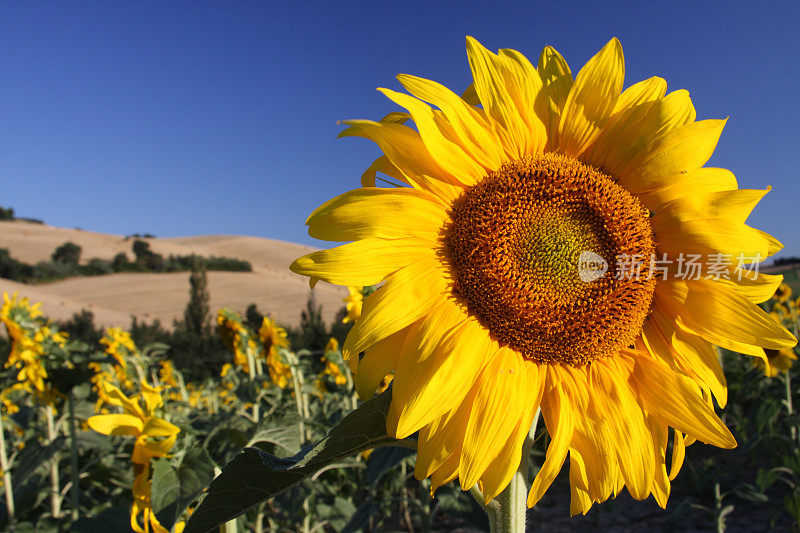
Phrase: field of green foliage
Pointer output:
(116, 430)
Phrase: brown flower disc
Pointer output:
(527, 246)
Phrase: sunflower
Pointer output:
(273, 337)
(779, 361)
(505, 243)
(783, 293)
(354, 302)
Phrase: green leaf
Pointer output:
(111, 519)
(338, 514)
(34, 455)
(165, 492)
(384, 459)
(286, 437)
(361, 517)
(254, 476)
(174, 488)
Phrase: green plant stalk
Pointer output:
(139, 370)
(6, 475)
(230, 525)
(720, 516)
(251, 370)
(298, 397)
(351, 386)
(789, 408)
(182, 386)
(73, 453)
(404, 502)
(55, 491)
(507, 512)
(259, 525)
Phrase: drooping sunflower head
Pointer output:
(555, 242)
(272, 336)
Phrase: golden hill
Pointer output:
(115, 298)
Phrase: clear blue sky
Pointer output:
(186, 118)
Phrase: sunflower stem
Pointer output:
(74, 490)
(55, 491)
(5, 467)
(507, 512)
(789, 408)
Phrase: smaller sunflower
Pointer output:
(354, 302)
(777, 361)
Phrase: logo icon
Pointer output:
(591, 266)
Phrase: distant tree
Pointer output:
(68, 253)
(81, 327)
(97, 266)
(313, 333)
(195, 316)
(253, 317)
(141, 249)
(339, 329)
(146, 258)
(120, 262)
(10, 268)
(6, 213)
(155, 262)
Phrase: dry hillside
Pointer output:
(115, 297)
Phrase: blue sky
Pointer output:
(186, 118)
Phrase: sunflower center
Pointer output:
(545, 254)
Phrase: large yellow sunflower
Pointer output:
(505, 246)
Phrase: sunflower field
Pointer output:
(110, 437)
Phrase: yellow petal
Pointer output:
(152, 397)
(424, 389)
(556, 84)
(365, 262)
(703, 180)
(157, 427)
(558, 417)
(470, 96)
(679, 151)
(693, 356)
(524, 85)
(580, 501)
(117, 397)
(383, 165)
(404, 149)
(678, 454)
(624, 419)
(592, 99)
(676, 401)
(405, 297)
(623, 142)
(721, 316)
(377, 363)
(440, 442)
(753, 285)
(712, 223)
(473, 130)
(648, 90)
(502, 468)
(374, 212)
(447, 154)
(116, 424)
(445, 473)
(503, 397)
(501, 96)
